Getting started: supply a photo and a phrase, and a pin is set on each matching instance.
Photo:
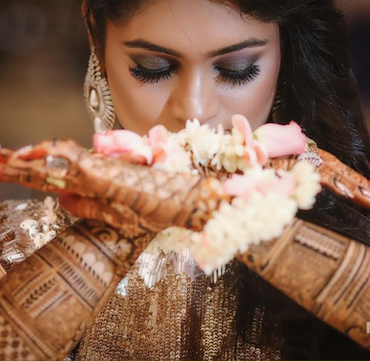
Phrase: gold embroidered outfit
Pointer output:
(179, 318)
(163, 309)
(63, 296)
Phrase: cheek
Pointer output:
(137, 106)
(138, 109)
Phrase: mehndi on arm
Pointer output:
(322, 271)
(48, 300)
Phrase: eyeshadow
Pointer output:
(151, 62)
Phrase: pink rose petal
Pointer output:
(242, 125)
(146, 152)
(281, 140)
(116, 142)
(103, 142)
(282, 186)
(239, 186)
(127, 140)
(261, 152)
(250, 155)
(158, 134)
(160, 153)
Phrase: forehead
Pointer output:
(192, 26)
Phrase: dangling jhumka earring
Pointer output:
(97, 95)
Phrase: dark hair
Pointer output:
(318, 90)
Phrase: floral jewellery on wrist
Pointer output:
(264, 200)
(97, 95)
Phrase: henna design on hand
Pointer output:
(50, 165)
(159, 199)
(339, 294)
(335, 175)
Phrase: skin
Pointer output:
(194, 88)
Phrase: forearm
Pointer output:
(47, 301)
(326, 273)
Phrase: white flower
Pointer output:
(177, 160)
(235, 227)
(258, 214)
(308, 184)
(201, 140)
(230, 154)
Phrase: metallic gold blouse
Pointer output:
(166, 309)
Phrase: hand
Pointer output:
(119, 191)
(96, 209)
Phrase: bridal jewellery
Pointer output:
(98, 97)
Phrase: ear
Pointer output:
(98, 48)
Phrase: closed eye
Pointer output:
(237, 77)
(226, 77)
(145, 75)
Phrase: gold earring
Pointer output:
(97, 95)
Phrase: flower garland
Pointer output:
(264, 200)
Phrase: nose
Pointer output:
(195, 97)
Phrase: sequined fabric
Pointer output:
(15, 242)
(181, 317)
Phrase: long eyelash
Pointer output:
(227, 77)
(235, 79)
(151, 76)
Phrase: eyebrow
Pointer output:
(249, 43)
(143, 44)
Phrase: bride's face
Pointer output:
(177, 60)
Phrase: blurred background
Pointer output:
(43, 60)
